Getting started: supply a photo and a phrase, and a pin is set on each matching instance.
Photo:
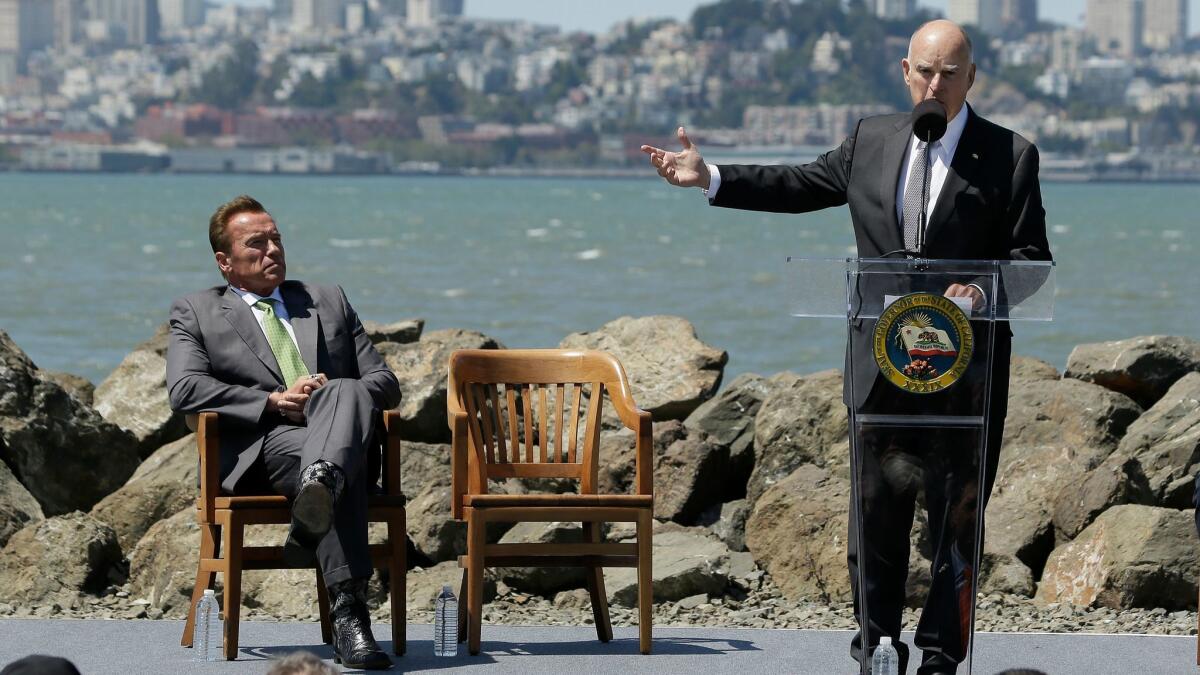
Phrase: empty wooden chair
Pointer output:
(223, 518)
(536, 413)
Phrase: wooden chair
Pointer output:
(494, 396)
(223, 519)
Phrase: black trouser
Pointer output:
(897, 463)
(338, 429)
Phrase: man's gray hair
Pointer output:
(301, 663)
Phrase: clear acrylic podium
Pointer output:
(918, 384)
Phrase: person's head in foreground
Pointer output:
(301, 663)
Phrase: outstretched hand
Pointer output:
(685, 168)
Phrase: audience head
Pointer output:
(40, 664)
(301, 663)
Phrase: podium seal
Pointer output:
(923, 343)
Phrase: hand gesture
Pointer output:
(291, 402)
(685, 168)
(964, 291)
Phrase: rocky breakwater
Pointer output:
(1089, 526)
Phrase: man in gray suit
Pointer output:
(298, 386)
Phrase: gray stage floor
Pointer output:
(121, 647)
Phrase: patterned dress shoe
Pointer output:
(321, 484)
(353, 644)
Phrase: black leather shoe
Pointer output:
(353, 644)
(312, 512)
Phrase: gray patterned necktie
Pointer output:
(913, 197)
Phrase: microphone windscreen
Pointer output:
(929, 120)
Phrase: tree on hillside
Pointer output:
(230, 84)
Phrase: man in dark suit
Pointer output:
(984, 203)
(298, 386)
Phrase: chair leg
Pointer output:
(233, 584)
(323, 609)
(645, 573)
(204, 580)
(398, 582)
(595, 586)
(462, 614)
(476, 525)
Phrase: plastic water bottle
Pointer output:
(206, 639)
(885, 661)
(445, 624)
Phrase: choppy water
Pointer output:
(90, 263)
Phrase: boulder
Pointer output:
(1067, 413)
(422, 464)
(543, 581)
(1019, 513)
(421, 368)
(134, 396)
(281, 593)
(1029, 368)
(400, 332)
(1131, 556)
(162, 485)
(1118, 480)
(618, 451)
(1005, 574)
(802, 421)
(58, 559)
(728, 419)
(685, 562)
(1166, 442)
(432, 529)
(79, 387)
(690, 475)
(62, 451)
(670, 371)
(18, 508)
(162, 567)
(1142, 368)
(797, 533)
(423, 585)
(728, 523)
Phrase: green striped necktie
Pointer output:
(290, 363)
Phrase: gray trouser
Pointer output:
(339, 426)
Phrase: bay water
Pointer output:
(90, 263)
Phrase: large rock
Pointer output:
(162, 567)
(728, 523)
(1006, 574)
(421, 368)
(423, 464)
(670, 371)
(1166, 442)
(1029, 368)
(401, 332)
(58, 559)
(728, 419)
(432, 529)
(423, 585)
(1067, 413)
(690, 475)
(802, 421)
(1142, 368)
(798, 531)
(1019, 513)
(685, 562)
(134, 396)
(163, 485)
(1132, 556)
(543, 581)
(75, 385)
(1118, 480)
(62, 451)
(18, 508)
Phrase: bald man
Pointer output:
(984, 203)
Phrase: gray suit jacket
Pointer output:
(218, 360)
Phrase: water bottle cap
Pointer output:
(885, 640)
(446, 589)
(210, 592)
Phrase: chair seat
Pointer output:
(559, 500)
(281, 502)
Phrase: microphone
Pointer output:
(929, 125)
(929, 120)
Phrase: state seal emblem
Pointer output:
(923, 343)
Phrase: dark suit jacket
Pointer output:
(218, 360)
(990, 207)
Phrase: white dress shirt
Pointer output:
(278, 306)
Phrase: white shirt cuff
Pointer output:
(714, 182)
(983, 293)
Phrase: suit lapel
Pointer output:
(238, 313)
(895, 147)
(305, 322)
(959, 175)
